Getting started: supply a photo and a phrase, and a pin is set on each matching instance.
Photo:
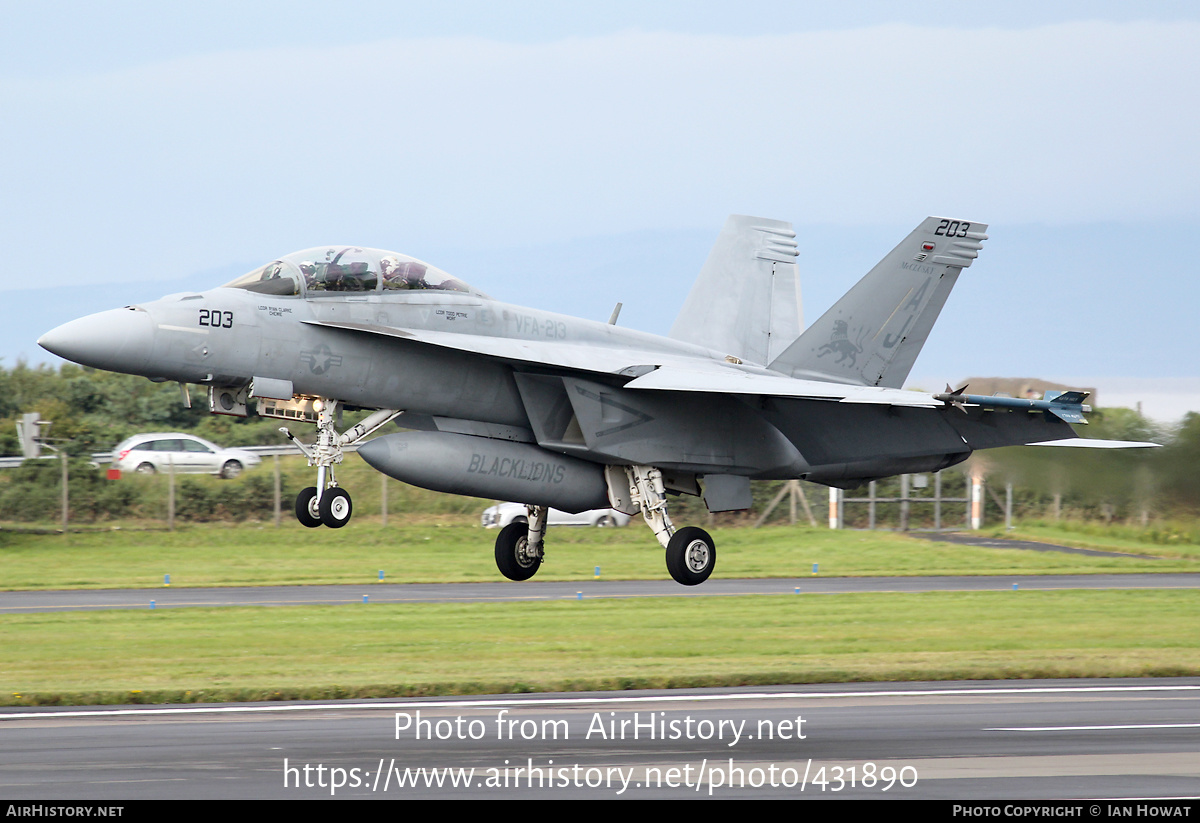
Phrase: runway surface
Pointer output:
(995, 741)
(963, 539)
(164, 598)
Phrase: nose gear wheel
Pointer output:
(325, 504)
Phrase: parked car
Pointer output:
(155, 452)
(500, 515)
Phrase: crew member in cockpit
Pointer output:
(393, 277)
(397, 275)
(309, 270)
(414, 275)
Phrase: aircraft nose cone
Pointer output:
(117, 340)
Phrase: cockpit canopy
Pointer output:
(330, 270)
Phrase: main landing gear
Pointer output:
(519, 546)
(691, 553)
(327, 504)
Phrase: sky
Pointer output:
(567, 156)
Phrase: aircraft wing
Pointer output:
(660, 371)
(731, 381)
(577, 356)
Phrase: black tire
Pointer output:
(231, 469)
(146, 468)
(513, 558)
(306, 508)
(691, 556)
(605, 521)
(336, 508)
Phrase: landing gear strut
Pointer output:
(519, 546)
(691, 553)
(326, 504)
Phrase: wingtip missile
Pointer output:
(1066, 405)
(953, 398)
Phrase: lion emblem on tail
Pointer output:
(839, 344)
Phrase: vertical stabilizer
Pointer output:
(872, 336)
(746, 301)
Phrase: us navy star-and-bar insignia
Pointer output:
(320, 360)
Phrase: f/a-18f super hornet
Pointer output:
(505, 402)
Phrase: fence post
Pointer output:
(170, 494)
(937, 500)
(278, 496)
(976, 502)
(66, 509)
(871, 505)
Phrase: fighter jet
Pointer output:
(505, 402)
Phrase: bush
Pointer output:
(32, 493)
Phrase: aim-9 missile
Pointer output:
(1065, 405)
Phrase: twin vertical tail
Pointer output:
(746, 301)
(872, 336)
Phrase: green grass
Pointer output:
(1170, 540)
(322, 652)
(189, 655)
(258, 554)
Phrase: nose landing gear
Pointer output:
(326, 504)
(307, 511)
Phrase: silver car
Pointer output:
(500, 515)
(157, 452)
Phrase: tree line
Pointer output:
(94, 410)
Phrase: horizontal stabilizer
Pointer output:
(1088, 443)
